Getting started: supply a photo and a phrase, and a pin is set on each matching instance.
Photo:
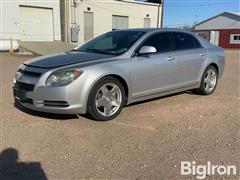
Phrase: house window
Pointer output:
(119, 22)
(235, 39)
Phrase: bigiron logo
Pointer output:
(201, 171)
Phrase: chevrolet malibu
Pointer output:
(119, 68)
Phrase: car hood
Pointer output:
(67, 58)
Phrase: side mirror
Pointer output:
(147, 50)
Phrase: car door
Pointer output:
(190, 56)
(153, 73)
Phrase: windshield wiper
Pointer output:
(75, 50)
(78, 50)
(99, 51)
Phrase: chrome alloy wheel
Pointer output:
(108, 99)
(210, 80)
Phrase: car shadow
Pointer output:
(12, 169)
(43, 114)
(86, 116)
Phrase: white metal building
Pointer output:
(29, 20)
(82, 20)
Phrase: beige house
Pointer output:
(82, 20)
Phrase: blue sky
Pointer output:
(186, 12)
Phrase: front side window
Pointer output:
(160, 41)
(115, 42)
(184, 41)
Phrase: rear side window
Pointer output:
(160, 41)
(184, 41)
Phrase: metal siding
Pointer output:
(224, 40)
(36, 24)
(220, 22)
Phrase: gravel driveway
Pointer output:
(147, 141)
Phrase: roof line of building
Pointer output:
(226, 12)
(138, 2)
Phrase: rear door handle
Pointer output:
(170, 59)
(202, 54)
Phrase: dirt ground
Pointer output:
(147, 141)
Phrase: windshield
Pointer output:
(115, 42)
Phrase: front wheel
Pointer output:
(209, 81)
(106, 99)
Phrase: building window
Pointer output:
(119, 22)
(235, 39)
(147, 22)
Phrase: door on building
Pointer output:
(214, 37)
(88, 26)
(147, 22)
(36, 24)
(119, 22)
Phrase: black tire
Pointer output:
(92, 110)
(202, 89)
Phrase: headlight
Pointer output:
(63, 78)
(18, 76)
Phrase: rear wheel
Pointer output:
(106, 99)
(209, 81)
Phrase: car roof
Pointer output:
(155, 30)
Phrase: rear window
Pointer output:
(184, 41)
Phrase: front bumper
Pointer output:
(51, 109)
(31, 92)
(51, 100)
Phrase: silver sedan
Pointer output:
(119, 68)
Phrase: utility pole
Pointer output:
(162, 14)
(161, 2)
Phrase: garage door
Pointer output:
(36, 24)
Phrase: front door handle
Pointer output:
(170, 59)
(202, 54)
